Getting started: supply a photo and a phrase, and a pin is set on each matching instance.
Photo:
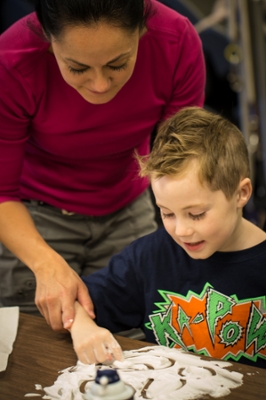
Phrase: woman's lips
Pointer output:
(97, 93)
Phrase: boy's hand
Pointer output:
(96, 345)
(93, 344)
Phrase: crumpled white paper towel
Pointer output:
(9, 317)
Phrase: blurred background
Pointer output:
(233, 36)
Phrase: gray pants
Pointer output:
(85, 242)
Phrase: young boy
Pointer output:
(199, 283)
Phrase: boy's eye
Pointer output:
(76, 71)
(197, 216)
(169, 215)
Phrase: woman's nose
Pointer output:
(100, 83)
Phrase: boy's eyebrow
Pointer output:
(185, 208)
(193, 206)
(159, 205)
(109, 62)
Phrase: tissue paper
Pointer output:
(8, 331)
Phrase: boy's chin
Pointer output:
(201, 255)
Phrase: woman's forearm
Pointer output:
(57, 284)
(19, 235)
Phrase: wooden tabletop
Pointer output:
(40, 353)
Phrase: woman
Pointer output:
(83, 85)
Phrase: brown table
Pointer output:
(39, 353)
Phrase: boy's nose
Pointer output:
(183, 230)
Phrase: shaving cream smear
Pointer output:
(158, 373)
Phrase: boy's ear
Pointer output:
(244, 192)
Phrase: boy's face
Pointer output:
(199, 220)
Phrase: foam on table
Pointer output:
(155, 372)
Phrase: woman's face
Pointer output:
(97, 61)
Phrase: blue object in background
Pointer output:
(12, 10)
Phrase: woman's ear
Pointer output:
(244, 192)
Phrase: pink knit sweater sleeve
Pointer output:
(190, 76)
(14, 121)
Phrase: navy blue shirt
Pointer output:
(214, 307)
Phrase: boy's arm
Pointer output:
(91, 343)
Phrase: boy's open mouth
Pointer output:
(194, 246)
(194, 243)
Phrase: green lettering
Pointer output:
(230, 333)
(256, 329)
(183, 320)
(218, 306)
(163, 330)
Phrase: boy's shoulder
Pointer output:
(155, 247)
(157, 237)
(160, 245)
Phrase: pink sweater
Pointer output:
(58, 148)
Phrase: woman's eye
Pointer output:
(197, 216)
(118, 68)
(77, 71)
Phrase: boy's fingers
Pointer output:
(118, 353)
(100, 353)
(115, 350)
(87, 356)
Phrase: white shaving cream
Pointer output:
(157, 373)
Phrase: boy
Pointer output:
(199, 283)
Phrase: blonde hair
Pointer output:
(194, 133)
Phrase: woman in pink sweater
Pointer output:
(83, 85)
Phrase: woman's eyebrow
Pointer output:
(117, 58)
(109, 62)
(76, 62)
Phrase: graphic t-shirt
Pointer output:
(215, 307)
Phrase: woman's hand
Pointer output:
(58, 287)
(92, 344)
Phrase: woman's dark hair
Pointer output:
(55, 15)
